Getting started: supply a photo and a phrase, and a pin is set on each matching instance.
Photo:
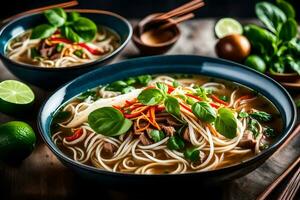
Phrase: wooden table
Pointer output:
(42, 176)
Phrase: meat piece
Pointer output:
(172, 121)
(169, 130)
(55, 56)
(144, 140)
(109, 148)
(186, 135)
(247, 141)
(45, 50)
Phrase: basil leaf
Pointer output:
(294, 46)
(292, 64)
(287, 8)
(56, 16)
(157, 135)
(163, 87)
(202, 92)
(192, 154)
(73, 16)
(270, 15)
(252, 126)
(85, 28)
(172, 106)
(42, 31)
(261, 115)
(226, 123)
(127, 89)
(288, 30)
(144, 79)
(243, 114)
(261, 40)
(223, 98)
(150, 97)
(175, 143)
(175, 84)
(86, 94)
(124, 127)
(116, 86)
(70, 34)
(108, 121)
(204, 112)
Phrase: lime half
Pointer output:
(15, 97)
(228, 26)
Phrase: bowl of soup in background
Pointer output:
(49, 78)
(182, 64)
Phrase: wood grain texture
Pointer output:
(42, 176)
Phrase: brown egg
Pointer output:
(233, 47)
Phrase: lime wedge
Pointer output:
(227, 26)
(15, 97)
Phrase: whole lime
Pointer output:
(17, 141)
(256, 62)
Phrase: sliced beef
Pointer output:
(169, 130)
(186, 135)
(109, 148)
(144, 139)
(55, 56)
(247, 141)
(45, 50)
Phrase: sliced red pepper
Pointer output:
(64, 40)
(185, 107)
(129, 103)
(193, 96)
(214, 105)
(75, 136)
(90, 49)
(137, 113)
(170, 88)
(159, 108)
(216, 99)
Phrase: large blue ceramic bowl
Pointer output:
(52, 77)
(171, 64)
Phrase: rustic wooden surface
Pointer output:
(42, 176)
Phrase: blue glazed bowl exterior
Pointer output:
(49, 78)
(171, 64)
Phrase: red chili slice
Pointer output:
(75, 136)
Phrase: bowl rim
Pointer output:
(243, 164)
(102, 59)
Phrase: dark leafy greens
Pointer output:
(278, 40)
(73, 26)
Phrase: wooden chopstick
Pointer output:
(272, 186)
(292, 187)
(188, 7)
(177, 21)
(36, 10)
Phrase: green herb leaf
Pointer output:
(59, 47)
(34, 53)
(243, 114)
(70, 34)
(270, 15)
(204, 112)
(108, 121)
(116, 86)
(175, 143)
(78, 53)
(175, 84)
(172, 106)
(202, 92)
(42, 31)
(86, 94)
(223, 98)
(261, 40)
(157, 135)
(56, 16)
(144, 79)
(226, 123)
(163, 87)
(261, 116)
(287, 8)
(127, 89)
(150, 97)
(192, 154)
(288, 30)
(73, 16)
(85, 28)
(292, 64)
(130, 81)
(252, 126)
(190, 101)
(269, 132)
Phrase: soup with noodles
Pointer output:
(165, 124)
(77, 41)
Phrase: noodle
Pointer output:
(129, 153)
